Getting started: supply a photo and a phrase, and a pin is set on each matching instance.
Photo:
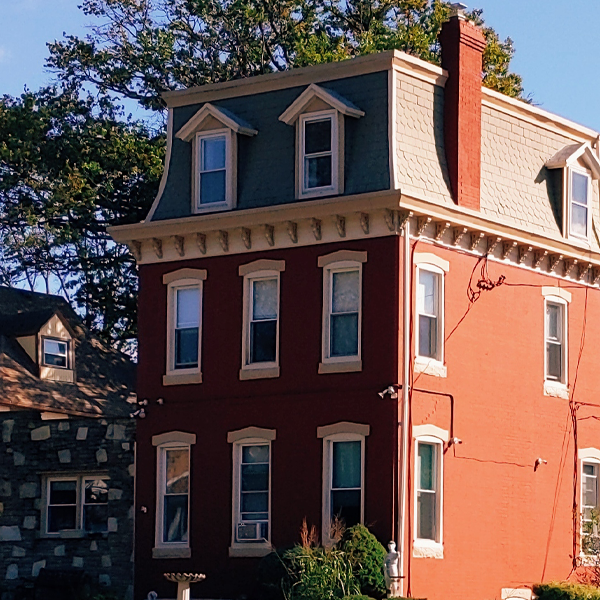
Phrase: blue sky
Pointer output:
(557, 47)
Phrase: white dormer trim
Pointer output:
(343, 106)
(227, 118)
(570, 155)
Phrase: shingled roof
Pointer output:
(105, 378)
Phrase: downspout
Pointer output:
(404, 437)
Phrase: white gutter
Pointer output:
(404, 437)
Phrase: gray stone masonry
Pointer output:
(32, 448)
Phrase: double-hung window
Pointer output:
(429, 452)
(589, 501)
(579, 207)
(56, 353)
(251, 524)
(173, 493)
(184, 325)
(556, 325)
(319, 156)
(260, 340)
(76, 504)
(213, 170)
(342, 311)
(343, 475)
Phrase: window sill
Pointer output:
(250, 551)
(350, 366)
(181, 378)
(427, 549)
(556, 390)
(258, 373)
(317, 193)
(171, 552)
(430, 366)
(210, 208)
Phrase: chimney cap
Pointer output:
(458, 10)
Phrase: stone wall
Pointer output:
(30, 449)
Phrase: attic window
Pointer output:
(579, 194)
(56, 353)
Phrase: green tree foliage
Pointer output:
(69, 167)
(144, 47)
(566, 591)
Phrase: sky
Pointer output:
(557, 46)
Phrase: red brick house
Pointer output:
(368, 290)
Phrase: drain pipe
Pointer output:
(405, 434)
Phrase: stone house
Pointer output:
(67, 452)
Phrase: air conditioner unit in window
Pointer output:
(252, 532)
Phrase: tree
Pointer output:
(145, 47)
(69, 167)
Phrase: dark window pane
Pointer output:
(63, 492)
(95, 491)
(344, 335)
(554, 361)
(186, 348)
(346, 465)
(317, 172)
(426, 516)
(212, 187)
(176, 519)
(256, 516)
(255, 454)
(95, 518)
(255, 478)
(317, 136)
(213, 153)
(427, 467)
(579, 217)
(345, 505)
(263, 341)
(61, 517)
(255, 502)
(427, 336)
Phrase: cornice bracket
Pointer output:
(157, 246)
(179, 243)
(247, 237)
(270, 234)
(201, 242)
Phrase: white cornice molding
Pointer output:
(358, 256)
(174, 437)
(251, 432)
(549, 290)
(430, 430)
(343, 427)
(181, 274)
(261, 265)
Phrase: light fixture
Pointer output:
(391, 390)
(538, 462)
(454, 441)
(141, 413)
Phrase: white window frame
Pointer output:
(80, 479)
(340, 432)
(339, 262)
(230, 170)
(175, 440)
(425, 364)
(45, 339)
(335, 188)
(257, 270)
(562, 382)
(569, 203)
(429, 434)
(587, 456)
(184, 278)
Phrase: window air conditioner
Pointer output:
(251, 532)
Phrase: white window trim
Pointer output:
(189, 278)
(337, 127)
(80, 477)
(259, 547)
(351, 435)
(424, 548)
(426, 364)
(163, 442)
(340, 364)
(552, 387)
(568, 190)
(585, 456)
(67, 342)
(260, 269)
(230, 171)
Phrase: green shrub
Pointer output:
(357, 597)
(366, 555)
(273, 576)
(318, 574)
(566, 591)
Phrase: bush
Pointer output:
(273, 576)
(366, 555)
(358, 598)
(566, 591)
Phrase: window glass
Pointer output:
(427, 305)
(254, 493)
(62, 506)
(263, 320)
(176, 490)
(213, 170)
(554, 341)
(579, 204)
(317, 154)
(187, 327)
(55, 353)
(345, 301)
(346, 488)
(95, 505)
(427, 517)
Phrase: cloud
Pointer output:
(4, 55)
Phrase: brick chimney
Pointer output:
(462, 52)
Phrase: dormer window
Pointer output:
(579, 165)
(55, 353)
(318, 115)
(213, 133)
